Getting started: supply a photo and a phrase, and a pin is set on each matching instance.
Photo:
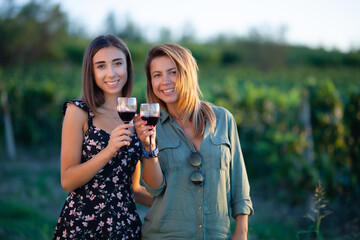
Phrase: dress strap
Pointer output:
(83, 106)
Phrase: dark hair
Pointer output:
(93, 96)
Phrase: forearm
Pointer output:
(241, 227)
(152, 173)
(142, 196)
(78, 175)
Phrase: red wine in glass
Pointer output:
(150, 112)
(126, 108)
(126, 116)
(150, 120)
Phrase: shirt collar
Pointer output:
(164, 116)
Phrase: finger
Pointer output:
(122, 140)
(122, 131)
(148, 132)
(137, 118)
(116, 134)
(125, 143)
(123, 126)
(138, 123)
(142, 133)
(126, 126)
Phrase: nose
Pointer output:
(166, 79)
(111, 72)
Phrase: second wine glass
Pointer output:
(126, 108)
(150, 112)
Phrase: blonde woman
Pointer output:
(195, 171)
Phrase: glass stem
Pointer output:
(150, 144)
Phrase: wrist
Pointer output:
(146, 153)
(149, 148)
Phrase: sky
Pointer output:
(315, 23)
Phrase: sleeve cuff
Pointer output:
(155, 191)
(243, 207)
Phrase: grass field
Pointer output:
(31, 199)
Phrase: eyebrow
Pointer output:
(114, 60)
(170, 69)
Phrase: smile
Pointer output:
(112, 83)
(168, 91)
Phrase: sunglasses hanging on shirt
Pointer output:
(197, 176)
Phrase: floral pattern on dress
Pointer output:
(104, 208)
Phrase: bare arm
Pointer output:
(241, 227)
(75, 174)
(152, 173)
(141, 195)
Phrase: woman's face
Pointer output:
(110, 70)
(163, 80)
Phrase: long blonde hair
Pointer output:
(190, 106)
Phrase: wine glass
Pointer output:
(150, 112)
(126, 108)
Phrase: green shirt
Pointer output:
(182, 210)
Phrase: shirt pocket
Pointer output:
(167, 153)
(221, 152)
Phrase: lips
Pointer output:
(168, 91)
(112, 83)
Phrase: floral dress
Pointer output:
(104, 208)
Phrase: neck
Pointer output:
(181, 122)
(173, 110)
(110, 102)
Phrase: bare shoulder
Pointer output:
(74, 111)
(76, 116)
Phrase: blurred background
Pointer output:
(290, 74)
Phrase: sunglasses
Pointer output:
(197, 177)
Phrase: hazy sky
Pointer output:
(326, 23)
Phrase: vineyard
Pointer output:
(297, 110)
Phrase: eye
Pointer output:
(100, 66)
(118, 63)
(156, 75)
(173, 72)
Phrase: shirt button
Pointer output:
(200, 208)
(199, 190)
(200, 226)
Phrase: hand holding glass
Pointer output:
(126, 107)
(150, 112)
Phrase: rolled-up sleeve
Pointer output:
(240, 189)
(155, 191)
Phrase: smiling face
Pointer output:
(110, 70)
(163, 80)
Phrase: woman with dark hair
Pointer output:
(196, 172)
(103, 183)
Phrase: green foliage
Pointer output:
(16, 216)
(36, 95)
(31, 33)
(333, 159)
(352, 121)
(31, 196)
(273, 230)
(261, 81)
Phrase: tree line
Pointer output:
(40, 31)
